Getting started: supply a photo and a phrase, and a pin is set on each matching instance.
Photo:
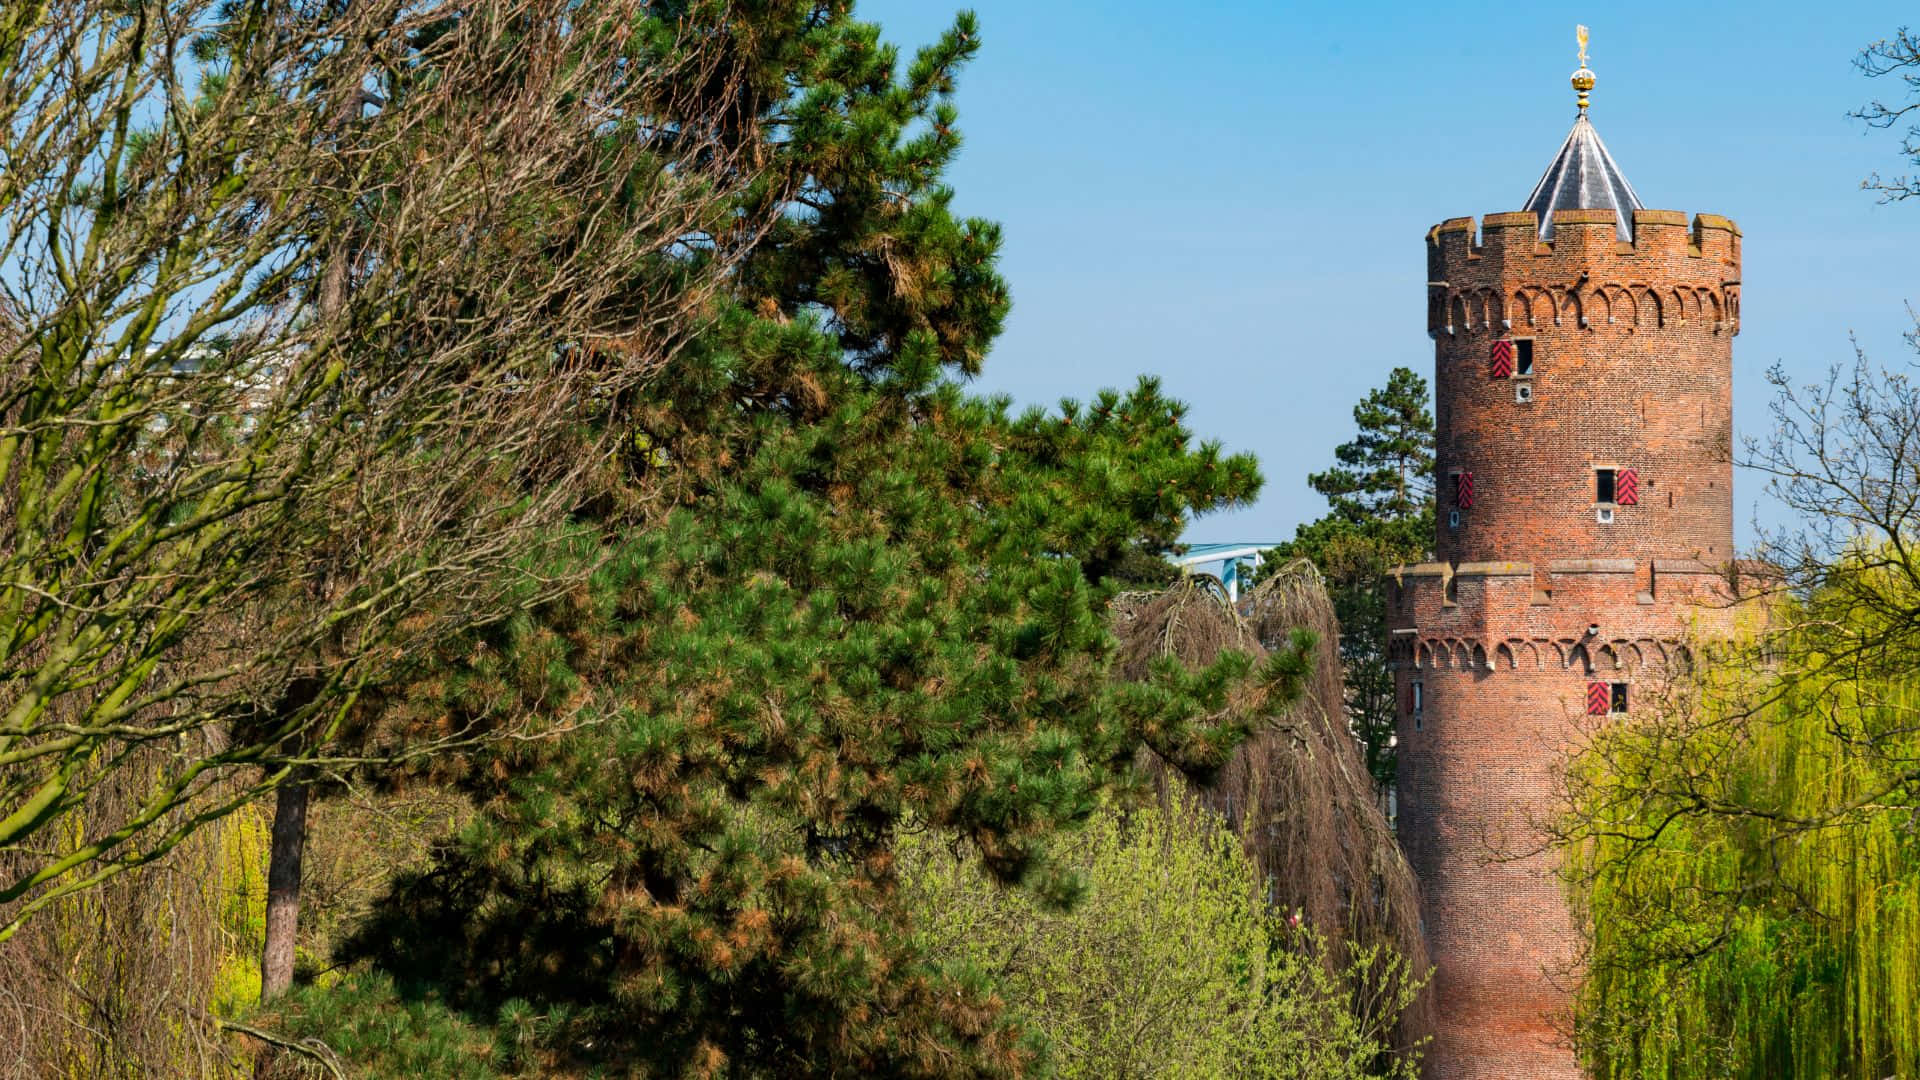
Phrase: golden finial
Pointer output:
(1582, 79)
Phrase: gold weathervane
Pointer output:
(1582, 79)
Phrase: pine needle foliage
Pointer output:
(833, 595)
(364, 1021)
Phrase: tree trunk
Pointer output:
(288, 848)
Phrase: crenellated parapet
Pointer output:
(1676, 276)
(1659, 236)
(1592, 615)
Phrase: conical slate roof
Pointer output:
(1583, 176)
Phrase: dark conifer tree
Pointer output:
(837, 597)
(1385, 473)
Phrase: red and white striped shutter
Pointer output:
(1599, 699)
(1501, 359)
(1463, 490)
(1626, 487)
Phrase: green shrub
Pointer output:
(1171, 966)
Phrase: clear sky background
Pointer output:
(1235, 195)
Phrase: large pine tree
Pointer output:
(837, 597)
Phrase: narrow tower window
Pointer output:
(1603, 485)
(1619, 697)
(1523, 356)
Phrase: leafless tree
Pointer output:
(317, 316)
(1898, 56)
(1843, 457)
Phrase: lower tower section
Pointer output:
(1501, 669)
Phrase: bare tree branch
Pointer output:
(316, 321)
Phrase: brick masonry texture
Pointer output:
(1533, 598)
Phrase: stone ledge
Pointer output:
(1715, 221)
(1585, 217)
(1686, 566)
(1681, 567)
(1494, 569)
(1591, 566)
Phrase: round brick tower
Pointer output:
(1583, 401)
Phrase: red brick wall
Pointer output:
(1533, 598)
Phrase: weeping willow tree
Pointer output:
(1297, 792)
(1752, 880)
(1747, 850)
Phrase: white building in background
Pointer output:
(1228, 563)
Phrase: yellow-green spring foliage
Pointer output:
(243, 910)
(1171, 966)
(1749, 862)
(118, 981)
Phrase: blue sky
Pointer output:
(1234, 195)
